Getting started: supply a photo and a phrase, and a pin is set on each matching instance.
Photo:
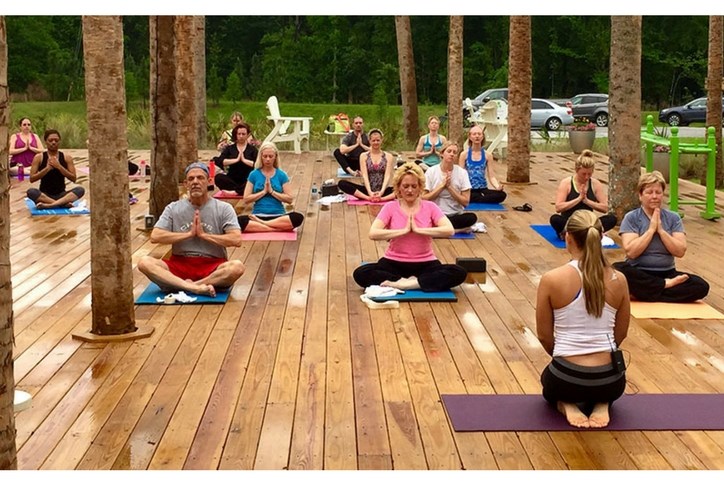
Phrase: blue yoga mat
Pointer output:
(418, 295)
(54, 211)
(149, 295)
(462, 235)
(343, 174)
(489, 207)
(547, 232)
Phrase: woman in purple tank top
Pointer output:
(23, 146)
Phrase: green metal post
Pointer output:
(674, 171)
(649, 145)
(710, 213)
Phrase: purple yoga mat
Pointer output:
(531, 413)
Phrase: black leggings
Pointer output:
(346, 162)
(568, 382)
(462, 220)
(34, 193)
(433, 276)
(348, 187)
(225, 182)
(647, 285)
(295, 218)
(486, 195)
(558, 222)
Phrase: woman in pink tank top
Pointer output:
(24, 145)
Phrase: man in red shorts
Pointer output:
(199, 229)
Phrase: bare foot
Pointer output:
(405, 283)
(599, 417)
(205, 290)
(675, 281)
(257, 219)
(573, 414)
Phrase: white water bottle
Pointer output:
(315, 191)
(142, 169)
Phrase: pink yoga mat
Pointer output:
(221, 196)
(291, 235)
(352, 200)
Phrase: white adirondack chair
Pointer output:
(288, 128)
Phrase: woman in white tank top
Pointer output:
(582, 315)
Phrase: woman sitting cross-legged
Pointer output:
(582, 316)
(410, 223)
(652, 237)
(581, 192)
(268, 189)
(237, 159)
(448, 186)
(479, 165)
(376, 167)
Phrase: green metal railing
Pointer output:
(676, 148)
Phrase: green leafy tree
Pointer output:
(214, 85)
(233, 87)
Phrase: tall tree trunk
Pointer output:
(624, 104)
(714, 91)
(112, 281)
(8, 452)
(187, 141)
(200, 66)
(164, 176)
(455, 79)
(408, 84)
(520, 81)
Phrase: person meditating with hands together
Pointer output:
(199, 229)
(52, 168)
(582, 316)
(268, 189)
(652, 238)
(581, 192)
(377, 167)
(410, 223)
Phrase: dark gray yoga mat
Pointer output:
(531, 413)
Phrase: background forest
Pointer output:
(353, 60)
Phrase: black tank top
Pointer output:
(54, 181)
(573, 194)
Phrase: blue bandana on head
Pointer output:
(199, 165)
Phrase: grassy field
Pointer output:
(69, 118)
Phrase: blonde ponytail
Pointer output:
(586, 230)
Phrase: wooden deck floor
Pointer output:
(294, 372)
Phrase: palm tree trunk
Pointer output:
(200, 66)
(455, 79)
(624, 104)
(187, 141)
(164, 176)
(714, 91)
(8, 452)
(519, 99)
(408, 84)
(112, 281)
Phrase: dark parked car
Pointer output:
(484, 97)
(691, 112)
(594, 107)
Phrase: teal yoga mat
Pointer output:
(54, 211)
(420, 296)
(149, 295)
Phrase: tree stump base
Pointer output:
(88, 337)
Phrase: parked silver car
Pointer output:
(545, 113)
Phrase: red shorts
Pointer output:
(192, 268)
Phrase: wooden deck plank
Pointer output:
(296, 372)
